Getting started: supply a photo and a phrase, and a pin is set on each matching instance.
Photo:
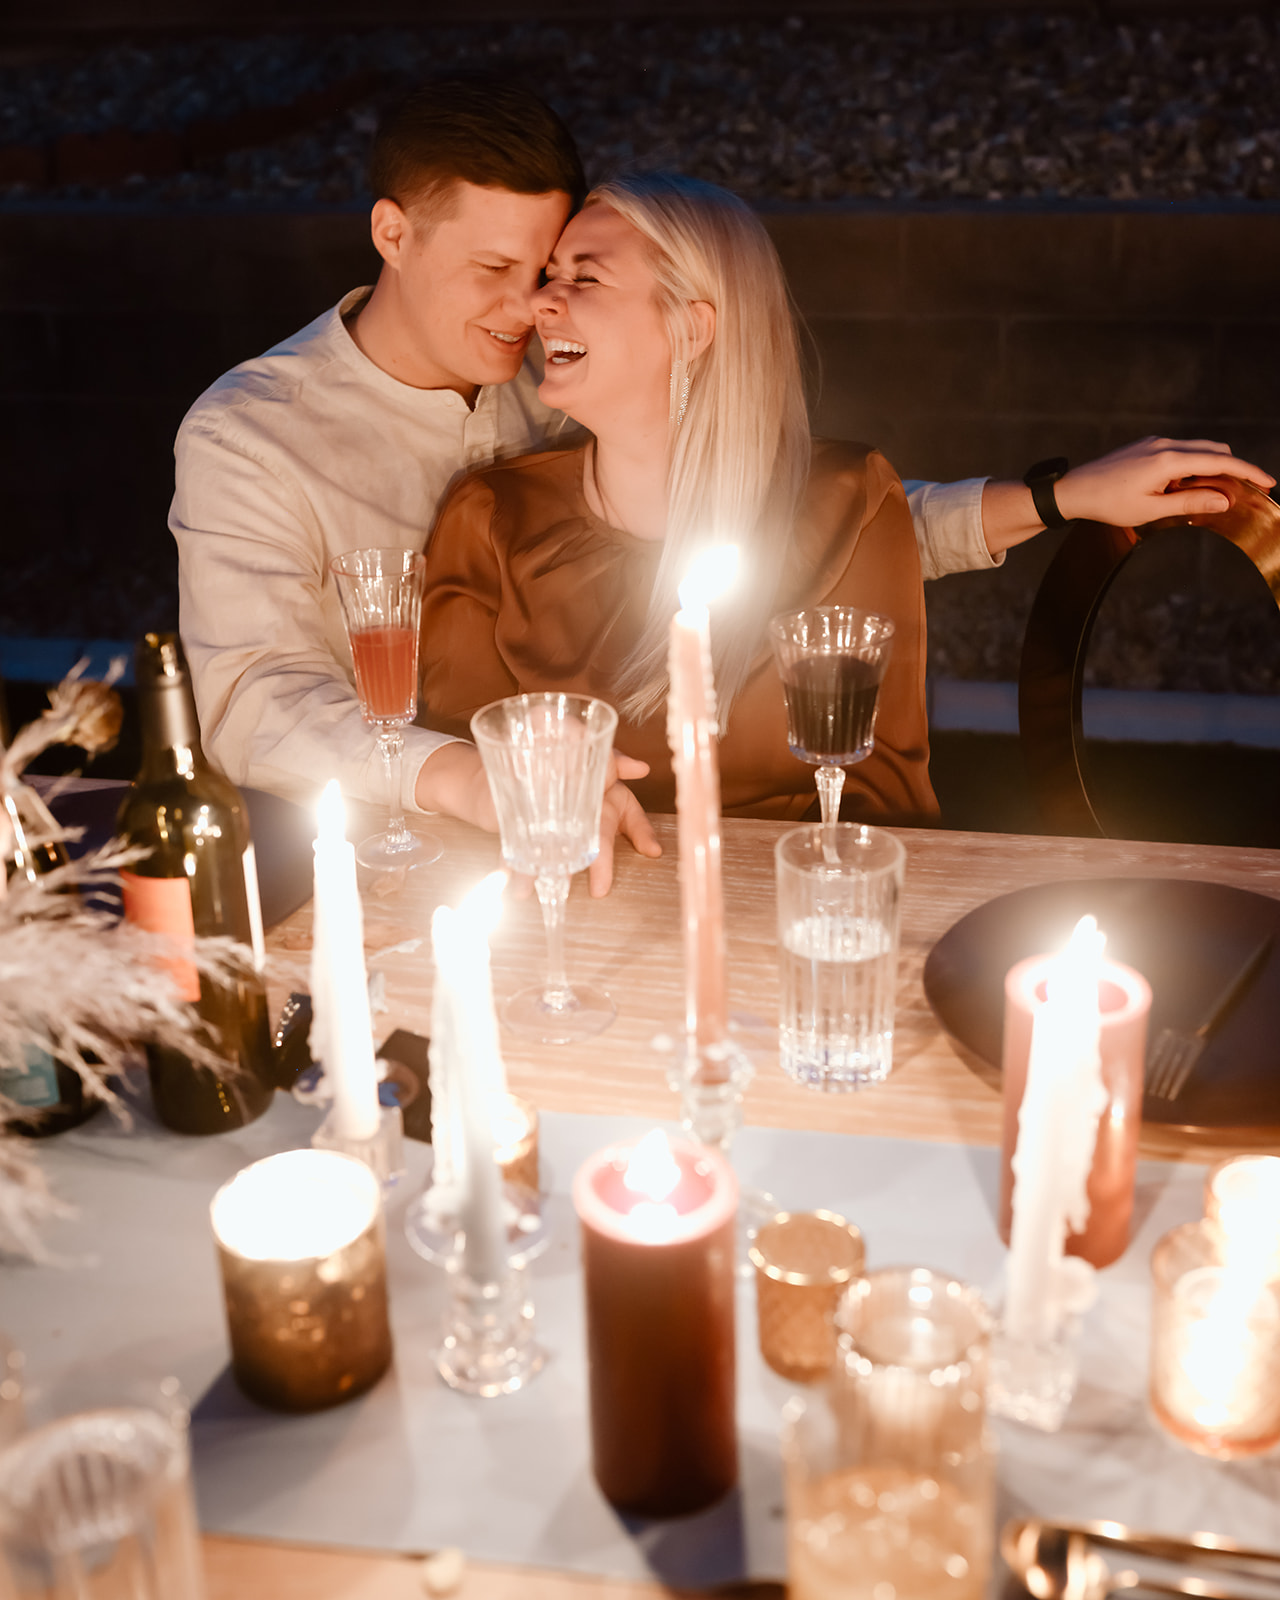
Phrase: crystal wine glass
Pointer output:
(831, 660)
(381, 595)
(546, 756)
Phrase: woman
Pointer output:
(668, 334)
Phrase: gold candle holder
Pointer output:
(804, 1261)
(301, 1245)
(516, 1136)
(1215, 1344)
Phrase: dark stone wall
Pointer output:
(59, 19)
(960, 342)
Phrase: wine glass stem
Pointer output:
(830, 786)
(553, 893)
(391, 743)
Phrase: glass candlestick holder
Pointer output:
(488, 1346)
(1215, 1344)
(487, 1342)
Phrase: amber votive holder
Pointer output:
(516, 1135)
(301, 1244)
(804, 1262)
(1215, 1344)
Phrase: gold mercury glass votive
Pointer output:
(804, 1261)
(301, 1244)
(516, 1135)
(1215, 1343)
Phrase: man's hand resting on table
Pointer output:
(452, 780)
(1130, 486)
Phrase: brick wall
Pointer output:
(961, 342)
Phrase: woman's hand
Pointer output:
(453, 780)
(620, 814)
(1130, 486)
(1140, 482)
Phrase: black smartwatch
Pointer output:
(1040, 479)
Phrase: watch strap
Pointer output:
(1040, 479)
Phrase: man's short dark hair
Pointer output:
(480, 130)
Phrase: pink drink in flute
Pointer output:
(386, 663)
(381, 596)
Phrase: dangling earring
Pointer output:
(679, 392)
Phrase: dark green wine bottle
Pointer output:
(199, 878)
(47, 1088)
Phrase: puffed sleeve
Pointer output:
(461, 665)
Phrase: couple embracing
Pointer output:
(412, 415)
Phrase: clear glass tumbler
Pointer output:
(381, 596)
(98, 1506)
(839, 903)
(831, 660)
(890, 1471)
(547, 757)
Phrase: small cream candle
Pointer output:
(692, 733)
(342, 1029)
(301, 1247)
(1057, 1131)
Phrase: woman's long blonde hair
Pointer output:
(739, 446)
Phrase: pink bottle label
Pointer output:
(163, 905)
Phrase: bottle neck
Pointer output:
(170, 730)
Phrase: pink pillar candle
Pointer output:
(657, 1223)
(691, 730)
(1124, 1001)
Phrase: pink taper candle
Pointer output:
(691, 730)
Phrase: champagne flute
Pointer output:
(381, 596)
(831, 660)
(547, 756)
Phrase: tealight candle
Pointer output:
(1242, 1196)
(1215, 1344)
(657, 1224)
(301, 1246)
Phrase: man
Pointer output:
(350, 433)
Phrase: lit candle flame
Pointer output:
(296, 1206)
(481, 911)
(710, 575)
(331, 814)
(652, 1172)
(1076, 971)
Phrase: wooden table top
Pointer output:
(630, 942)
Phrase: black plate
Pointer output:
(282, 837)
(1188, 939)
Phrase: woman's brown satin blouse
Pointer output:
(527, 590)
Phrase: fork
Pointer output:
(1172, 1058)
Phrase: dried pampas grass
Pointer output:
(75, 980)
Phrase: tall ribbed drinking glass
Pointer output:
(98, 1506)
(839, 908)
